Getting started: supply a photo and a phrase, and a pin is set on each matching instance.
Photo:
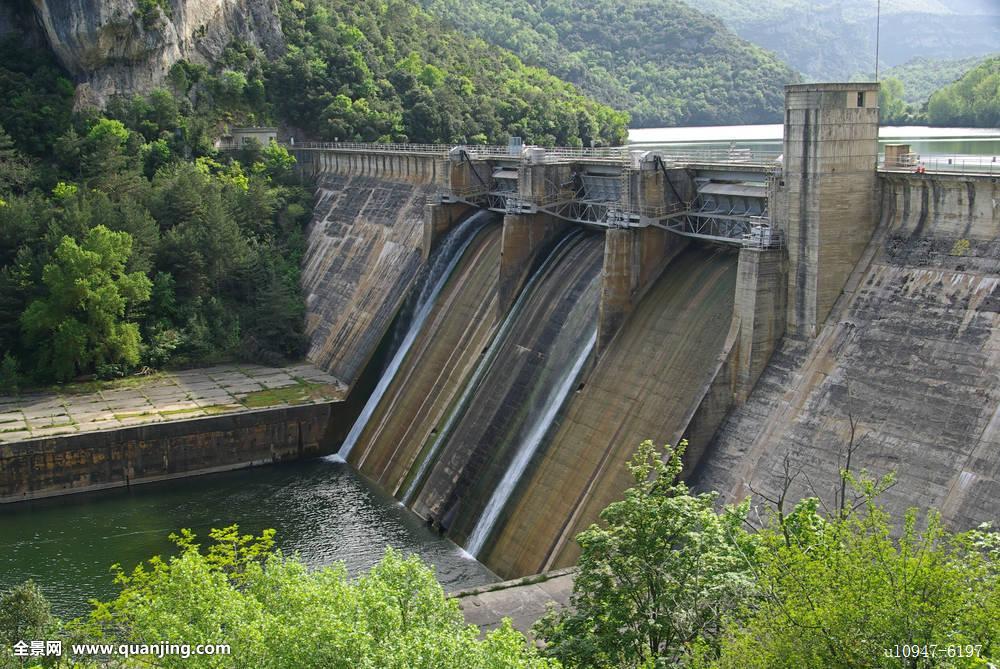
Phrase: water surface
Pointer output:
(923, 139)
(321, 509)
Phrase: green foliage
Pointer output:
(274, 612)
(17, 173)
(219, 242)
(670, 583)
(24, 615)
(973, 100)
(374, 70)
(922, 76)
(81, 321)
(149, 12)
(10, 376)
(840, 592)
(659, 60)
(661, 575)
(37, 97)
(892, 108)
(277, 162)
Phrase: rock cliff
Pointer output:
(123, 46)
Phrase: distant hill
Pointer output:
(835, 39)
(973, 100)
(660, 60)
(923, 76)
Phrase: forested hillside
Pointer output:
(127, 241)
(833, 40)
(385, 70)
(921, 77)
(973, 100)
(124, 242)
(660, 60)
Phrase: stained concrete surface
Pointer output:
(522, 600)
(911, 353)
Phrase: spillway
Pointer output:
(443, 355)
(645, 386)
(515, 395)
(439, 270)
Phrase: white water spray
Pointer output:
(425, 304)
(527, 449)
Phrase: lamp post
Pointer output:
(878, 18)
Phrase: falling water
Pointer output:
(481, 369)
(527, 450)
(443, 264)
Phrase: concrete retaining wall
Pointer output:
(140, 454)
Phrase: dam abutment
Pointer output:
(439, 218)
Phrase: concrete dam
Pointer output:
(513, 321)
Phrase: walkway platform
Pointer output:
(523, 600)
(162, 397)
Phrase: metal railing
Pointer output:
(554, 154)
(737, 155)
(438, 150)
(916, 163)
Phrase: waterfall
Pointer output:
(501, 494)
(482, 368)
(441, 267)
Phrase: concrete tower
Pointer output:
(826, 193)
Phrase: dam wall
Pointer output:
(410, 167)
(559, 345)
(364, 250)
(910, 355)
(646, 385)
(171, 449)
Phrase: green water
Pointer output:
(321, 509)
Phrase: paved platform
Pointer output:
(523, 600)
(165, 396)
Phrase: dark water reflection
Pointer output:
(321, 509)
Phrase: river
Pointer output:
(321, 509)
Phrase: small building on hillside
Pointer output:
(237, 138)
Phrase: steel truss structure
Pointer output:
(605, 200)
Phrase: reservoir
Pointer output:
(321, 509)
(957, 142)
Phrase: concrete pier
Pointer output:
(827, 190)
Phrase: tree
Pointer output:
(658, 578)
(839, 591)
(276, 613)
(973, 100)
(25, 615)
(81, 321)
(16, 172)
(892, 107)
(278, 163)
